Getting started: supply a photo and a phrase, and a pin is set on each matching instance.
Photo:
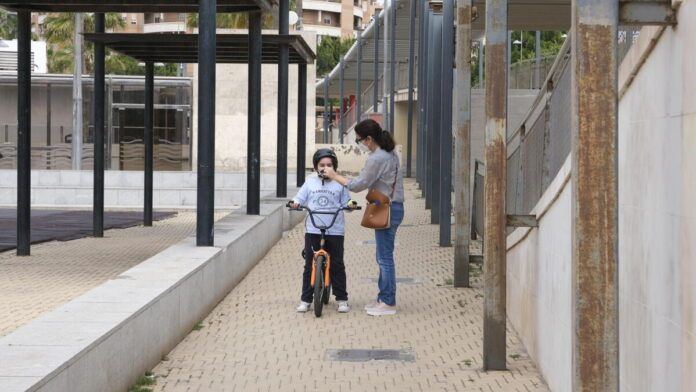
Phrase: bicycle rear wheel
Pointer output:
(318, 285)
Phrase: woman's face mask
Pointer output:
(361, 144)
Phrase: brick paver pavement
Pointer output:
(254, 341)
(57, 272)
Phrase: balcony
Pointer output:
(322, 5)
(165, 27)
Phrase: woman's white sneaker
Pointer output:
(303, 307)
(371, 305)
(382, 309)
(343, 307)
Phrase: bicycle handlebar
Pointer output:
(312, 213)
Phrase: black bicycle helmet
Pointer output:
(323, 153)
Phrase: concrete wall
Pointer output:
(657, 213)
(539, 283)
(231, 113)
(657, 230)
(124, 189)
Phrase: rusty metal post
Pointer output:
(594, 90)
(462, 146)
(446, 136)
(494, 185)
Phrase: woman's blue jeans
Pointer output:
(385, 255)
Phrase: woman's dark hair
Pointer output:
(371, 128)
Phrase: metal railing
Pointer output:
(537, 148)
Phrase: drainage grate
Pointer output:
(364, 355)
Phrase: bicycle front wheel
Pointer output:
(318, 285)
(326, 295)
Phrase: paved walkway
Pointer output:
(254, 341)
(57, 272)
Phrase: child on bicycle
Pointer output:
(319, 194)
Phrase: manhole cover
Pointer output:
(363, 355)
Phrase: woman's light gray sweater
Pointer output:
(378, 173)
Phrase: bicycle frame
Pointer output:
(322, 241)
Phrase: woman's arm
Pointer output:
(368, 175)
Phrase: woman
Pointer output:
(381, 172)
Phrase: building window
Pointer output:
(134, 20)
(327, 19)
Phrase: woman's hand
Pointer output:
(329, 173)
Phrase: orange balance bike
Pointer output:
(321, 262)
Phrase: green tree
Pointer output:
(8, 25)
(59, 31)
(330, 51)
(230, 21)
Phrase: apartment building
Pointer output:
(337, 18)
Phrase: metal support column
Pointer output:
(358, 82)
(411, 65)
(462, 146)
(445, 153)
(205, 204)
(341, 123)
(78, 49)
(148, 139)
(594, 92)
(326, 110)
(49, 140)
(375, 92)
(537, 62)
(392, 64)
(301, 122)
(254, 116)
(429, 111)
(99, 146)
(481, 64)
(422, 99)
(494, 186)
(435, 117)
(23, 132)
(283, 72)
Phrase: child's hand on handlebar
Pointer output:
(292, 204)
(352, 204)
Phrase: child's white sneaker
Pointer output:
(343, 307)
(303, 307)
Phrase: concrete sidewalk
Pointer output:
(254, 340)
(57, 272)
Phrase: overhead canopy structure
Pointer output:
(134, 5)
(183, 48)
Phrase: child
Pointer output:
(319, 194)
